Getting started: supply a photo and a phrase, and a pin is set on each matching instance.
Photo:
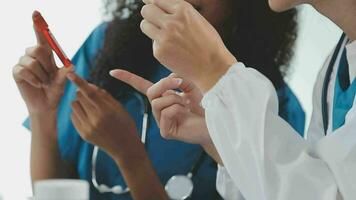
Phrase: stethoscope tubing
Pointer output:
(102, 188)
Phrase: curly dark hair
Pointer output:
(256, 35)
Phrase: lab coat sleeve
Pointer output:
(264, 156)
(226, 186)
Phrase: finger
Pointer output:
(169, 6)
(164, 102)
(78, 124)
(150, 29)
(82, 84)
(137, 82)
(154, 15)
(61, 76)
(35, 67)
(20, 74)
(44, 55)
(90, 91)
(169, 119)
(79, 111)
(186, 86)
(41, 40)
(170, 92)
(162, 86)
(88, 105)
(180, 94)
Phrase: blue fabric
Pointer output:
(168, 157)
(344, 93)
(290, 109)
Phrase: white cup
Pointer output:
(61, 189)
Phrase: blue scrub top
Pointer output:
(290, 109)
(168, 157)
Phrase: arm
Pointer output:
(101, 120)
(46, 162)
(178, 114)
(140, 175)
(41, 84)
(264, 156)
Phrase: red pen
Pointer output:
(42, 26)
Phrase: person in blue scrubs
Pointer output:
(119, 43)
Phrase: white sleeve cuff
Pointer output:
(225, 185)
(218, 88)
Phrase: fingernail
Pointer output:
(70, 76)
(187, 102)
(111, 73)
(178, 80)
(70, 68)
(115, 73)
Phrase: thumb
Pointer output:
(137, 82)
(61, 78)
(38, 24)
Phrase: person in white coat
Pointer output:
(260, 155)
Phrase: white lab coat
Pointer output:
(264, 158)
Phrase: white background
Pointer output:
(71, 22)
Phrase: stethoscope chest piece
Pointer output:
(179, 187)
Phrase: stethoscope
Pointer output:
(327, 81)
(178, 187)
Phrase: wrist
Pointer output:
(130, 160)
(130, 149)
(217, 67)
(44, 127)
(49, 114)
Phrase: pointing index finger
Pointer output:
(80, 83)
(137, 82)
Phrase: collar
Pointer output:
(351, 58)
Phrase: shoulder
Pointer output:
(92, 44)
(96, 37)
(84, 58)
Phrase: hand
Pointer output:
(185, 42)
(178, 114)
(40, 81)
(101, 120)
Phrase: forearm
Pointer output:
(256, 144)
(213, 153)
(141, 177)
(206, 141)
(46, 162)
